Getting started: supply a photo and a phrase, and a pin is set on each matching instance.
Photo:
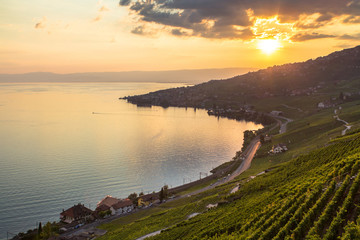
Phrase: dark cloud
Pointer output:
(139, 30)
(352, 20)
(324, 17)
(301, 37)
(178, 32)
(41, 24)
(124, 2)
(224, 18)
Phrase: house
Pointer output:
(124, 206)
(279, 148)
(76, 213)
(102, 211)
(325, 104)
(116, 206)
(148, 199)
(321, 105)
(267, 138)
(108, 201)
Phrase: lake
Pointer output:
(68, 143)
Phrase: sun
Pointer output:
(268, 46)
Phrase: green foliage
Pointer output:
(49, 230)
(249, 135)
(304, 198)
(133, 197)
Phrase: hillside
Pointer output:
(311, 191)
(313, 196)
(319, 78)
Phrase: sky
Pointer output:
(104, 35)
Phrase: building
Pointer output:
(148, 199)
(279, 148)
(124, 206)
(76, 213)
(116, 206)
(267, 138)
(108, 201)
(321, 105)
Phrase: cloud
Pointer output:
(229, 18)
(342, 46)
(124, 2)
(355, 37)
(41, 24)
(301, 37)
(139, 30)
(178, 32)
(351, 20)
(103, 9)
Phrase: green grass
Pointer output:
(272, 189)
(301, 166)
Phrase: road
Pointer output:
(248, 155)
(283, 125)
(346, 125)
(245, 165)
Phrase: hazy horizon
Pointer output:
(190, 76)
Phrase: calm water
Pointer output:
(61, 144)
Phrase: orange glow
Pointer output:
(268, 46)
(270, 34)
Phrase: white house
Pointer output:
(124, 206)
(321, 105)
(116, 206)
(279, 148)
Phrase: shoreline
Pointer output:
(246, 158)
(227, 170)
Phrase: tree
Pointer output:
(133, 197)
(161, 195)
(39, 229)
(262, 139)
(141, 194)
(48, 231)
(166, 187)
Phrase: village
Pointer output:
(79, 215)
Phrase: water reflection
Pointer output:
(67, 143)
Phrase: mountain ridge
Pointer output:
(190, 76)
(292, 79)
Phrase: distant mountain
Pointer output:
(295, 79)
(176, 76)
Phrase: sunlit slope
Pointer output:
(314, 196)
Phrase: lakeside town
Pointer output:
(109, 208)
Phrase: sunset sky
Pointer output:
(96, 36)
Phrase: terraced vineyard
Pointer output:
(314, 196)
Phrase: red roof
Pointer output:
(108, 201)
(77, 211)
(102, 208)
(123, 203)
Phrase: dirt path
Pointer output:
(346, 125)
